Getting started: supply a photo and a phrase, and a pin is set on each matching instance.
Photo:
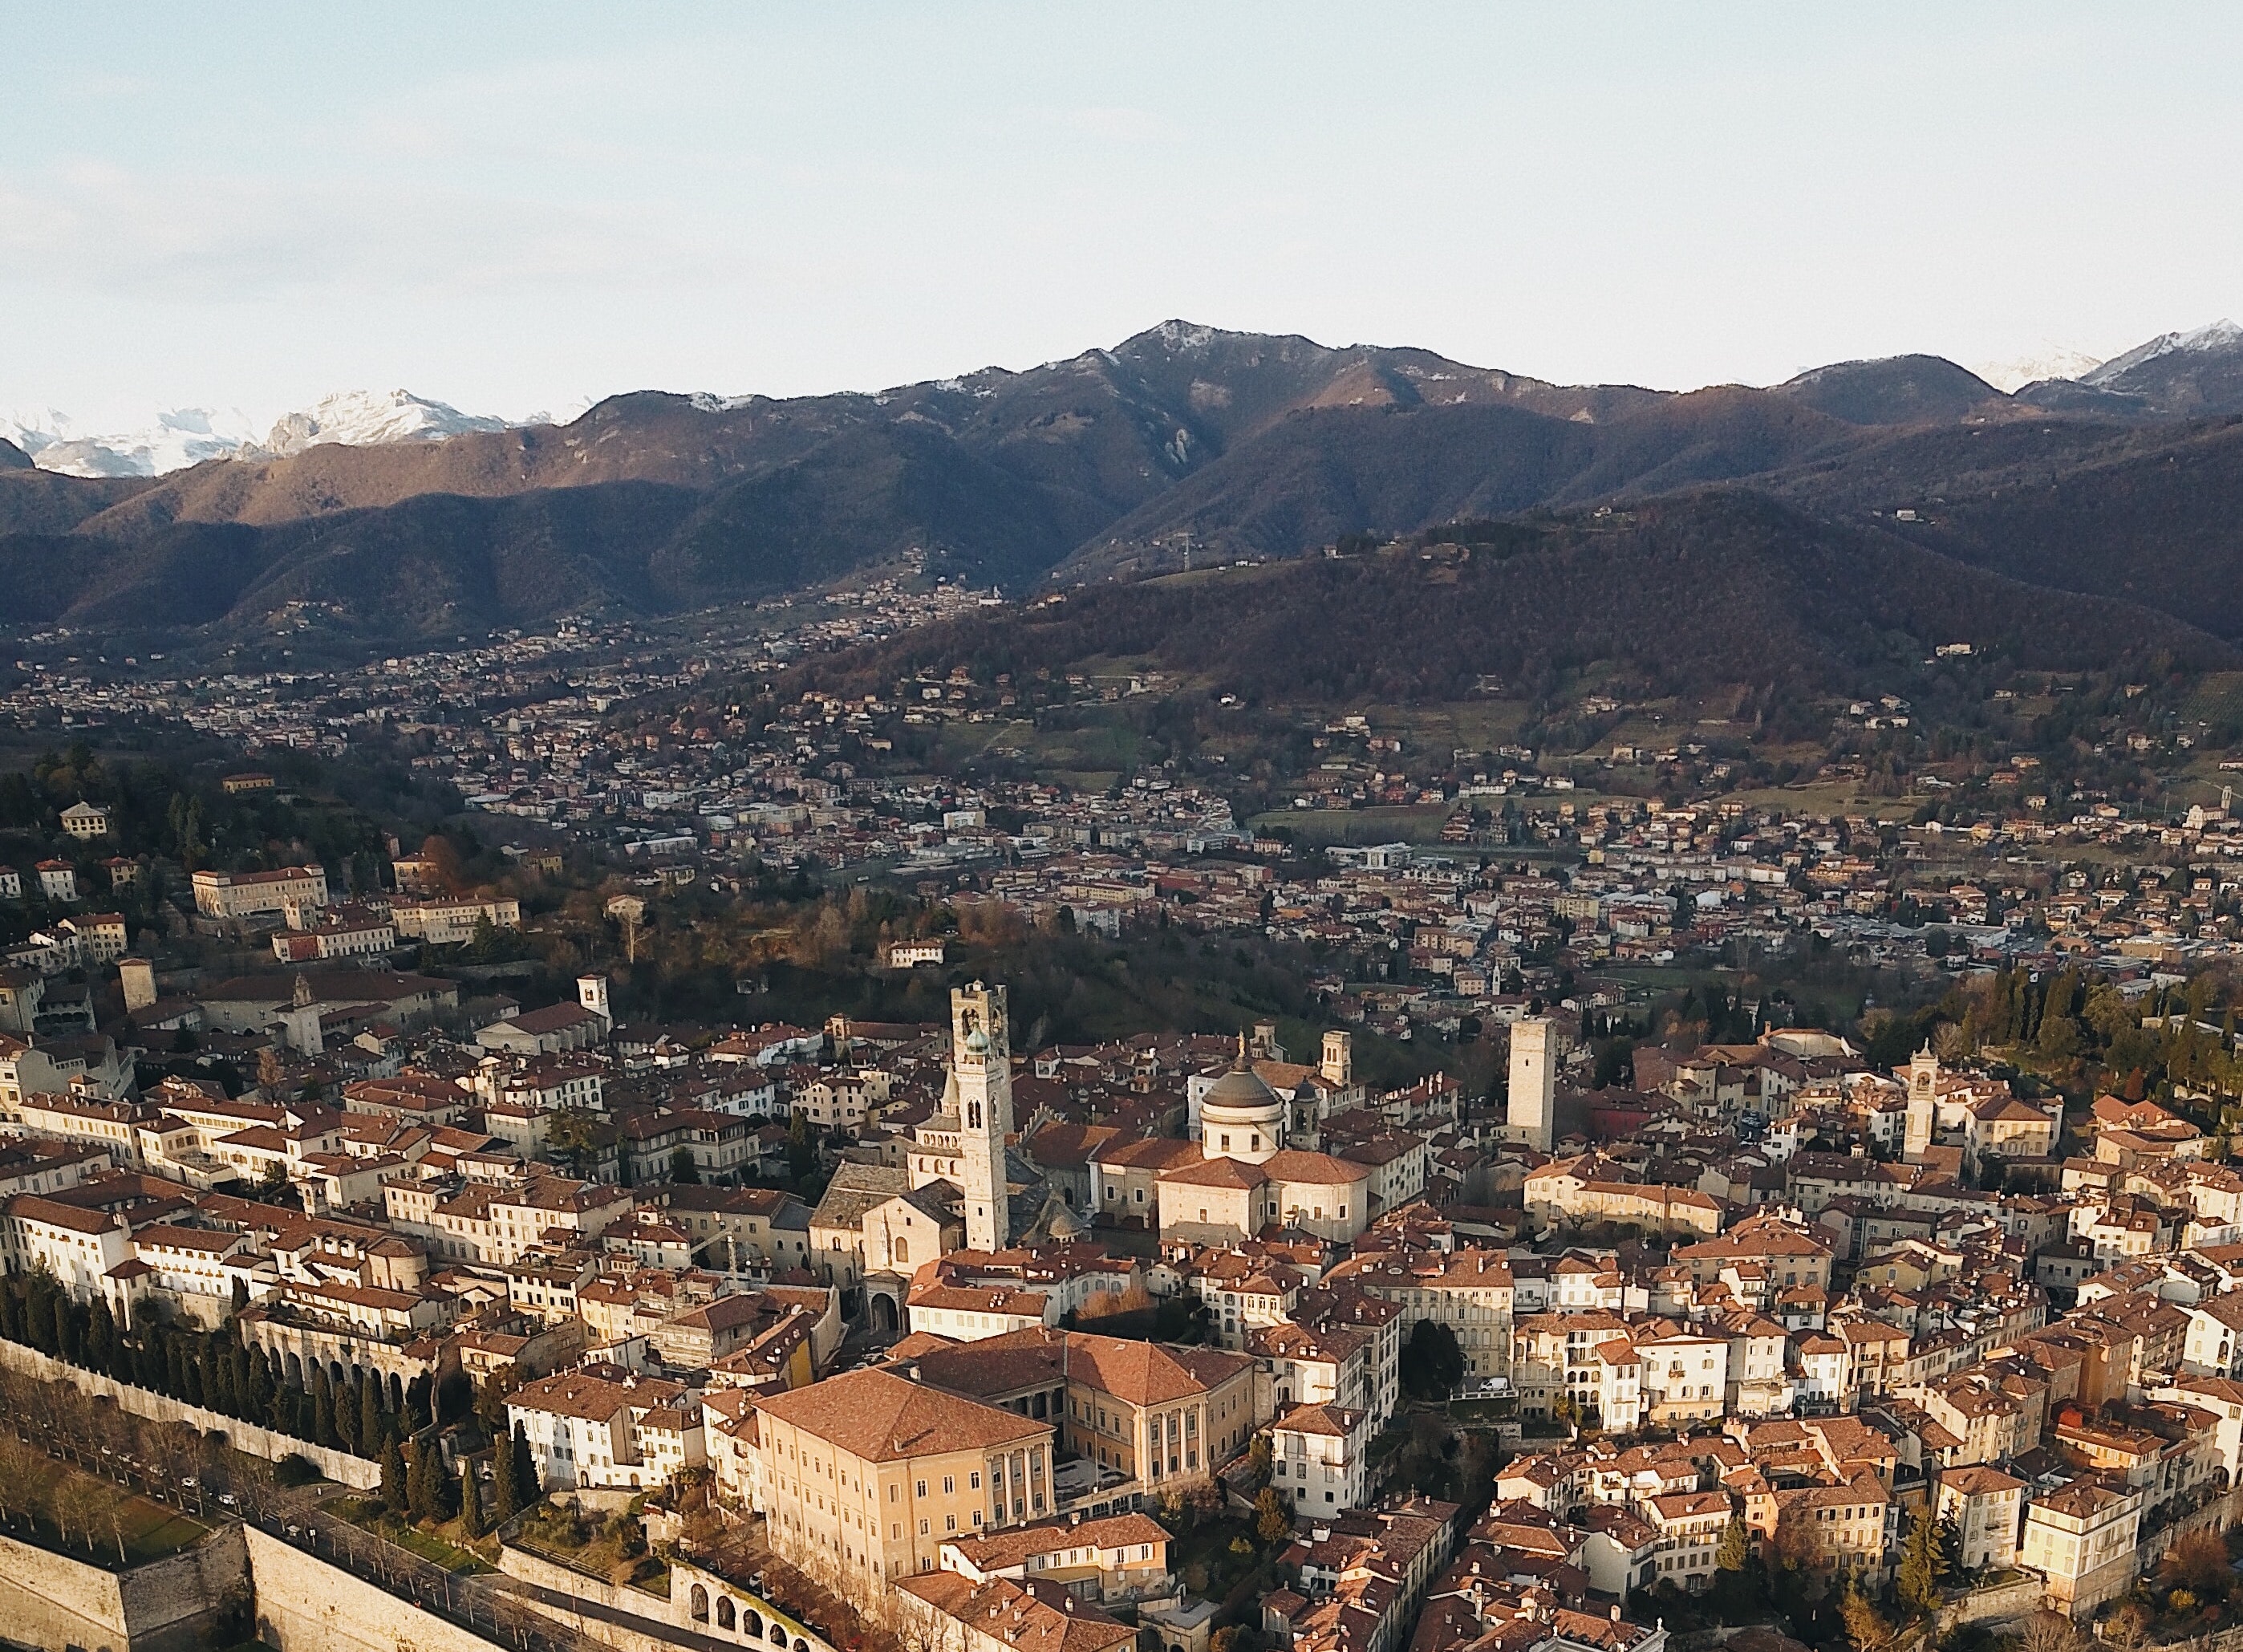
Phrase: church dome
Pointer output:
(1241, 1089)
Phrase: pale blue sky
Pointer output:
(522, 208)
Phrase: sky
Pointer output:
(519, 209)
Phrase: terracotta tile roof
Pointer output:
(571, 1393)
(1139, 1373)
(1000, 1549)
(880, 1417)
(1320, 1168)
(1334, 1420)
(1030, 1617)
(28, 1207)
(1230, 1173)
(1150, 1153)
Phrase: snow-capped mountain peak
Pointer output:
(177, 438)
(2049, 361)
(183, 436)
(365, 418)
(2221, 336)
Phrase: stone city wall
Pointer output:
(172, 1605)
(338, 1465)
(630, 1620)
(305, 1605)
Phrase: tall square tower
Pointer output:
(1533, 1081)
(981, 1079)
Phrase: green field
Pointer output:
(1313, 826)
(148, 1530)
(2218, 697)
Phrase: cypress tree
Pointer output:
(526, 1491)
(490, 1405)
(416, 1481)
(257, 1403)
(506, 1484)
(393, 1478)
(1922, 1565)
(39, 1315)
(1735, 1549)
(371, 1423)
(323, 1410)
(11, 1312)
(471, 1502)
(100, 1337)
(175, 1369)
(422, 1499)
(66, 1338)
(191, 1369)
(348, 1401)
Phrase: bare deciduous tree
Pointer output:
(79, 1502)
(2047, 1631)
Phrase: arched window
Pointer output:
(903, 1250)
(752, 1623)
(801, 1645)
(700, 1604)
(972, 1116)
(723, 1613)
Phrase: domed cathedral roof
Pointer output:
(1241, 1117)
(1241, 1089)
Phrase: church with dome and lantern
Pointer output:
(1237, 1179)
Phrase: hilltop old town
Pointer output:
(805, 1336)
(538, 1224)
(1582, 1257)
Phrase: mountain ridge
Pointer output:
(1182, 441)
(1716, 586)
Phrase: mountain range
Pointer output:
(396, 518)
(182, 437)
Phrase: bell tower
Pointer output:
(982, 1064)
(1923, 1105)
